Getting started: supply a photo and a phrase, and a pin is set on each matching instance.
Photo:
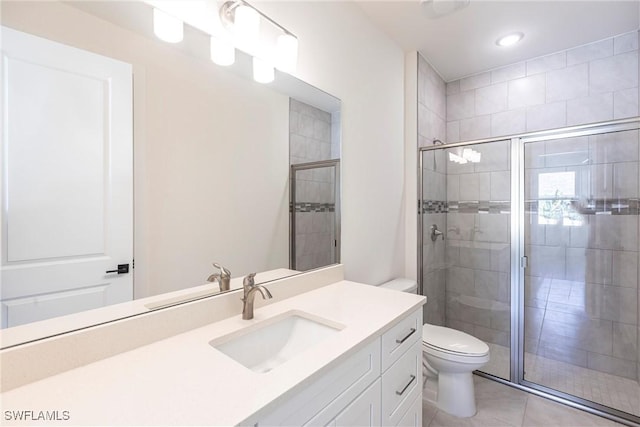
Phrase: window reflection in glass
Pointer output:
(556, 192)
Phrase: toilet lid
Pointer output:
(453, 341)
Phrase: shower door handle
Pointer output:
(524, 262)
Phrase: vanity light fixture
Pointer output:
(166, 27)
(271, 46)
(244, 22)
(509, 39)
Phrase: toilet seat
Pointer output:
(451, 342)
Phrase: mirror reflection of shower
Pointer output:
(314, 203)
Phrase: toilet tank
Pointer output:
(403, 285)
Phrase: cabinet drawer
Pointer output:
(321, 401)
(401, 383)
(399, 338)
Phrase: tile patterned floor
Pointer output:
(503, 406)
(610, 390)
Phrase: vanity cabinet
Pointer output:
(380, 385)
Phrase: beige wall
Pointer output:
(211, 154)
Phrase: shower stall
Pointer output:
(530, 243)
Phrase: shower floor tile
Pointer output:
(609, 390)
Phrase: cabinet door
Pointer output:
(364, 411)
(413, 416)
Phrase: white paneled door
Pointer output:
(67, 190)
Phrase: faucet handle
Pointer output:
(249, 280)
(224, 272)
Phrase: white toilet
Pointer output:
(449, 359)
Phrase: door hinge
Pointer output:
(524, 262)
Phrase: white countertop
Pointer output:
(182, 380)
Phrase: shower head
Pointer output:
(437, 142)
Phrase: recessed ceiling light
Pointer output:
(509, 39)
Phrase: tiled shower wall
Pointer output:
(313, 138)
(431, 125)
(591, 83)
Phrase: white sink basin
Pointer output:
(268, 344)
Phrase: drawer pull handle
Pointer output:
(411, 332)
(401, 392)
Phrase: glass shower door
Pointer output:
(581, 285)
(466, 243)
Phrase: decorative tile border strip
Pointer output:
(471, 207)
(434, 206)
(590, 207)
(315, 207)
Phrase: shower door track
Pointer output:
(517, 260)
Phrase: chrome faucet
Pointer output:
(250, 289)
(223, 278)
(435, 233)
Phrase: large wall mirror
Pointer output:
(131, 165)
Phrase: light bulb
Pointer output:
(263, 72)
(246, 26)
(166, 27)
(509, 39)
(287, 53)
(222, 52)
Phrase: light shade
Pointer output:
(166, 27)
(222, 51)
(509, 39)
(263, 72)
(246, 27)
(287, 53)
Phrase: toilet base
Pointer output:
(453, 393)
(456, 394)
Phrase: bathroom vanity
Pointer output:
(347, 354)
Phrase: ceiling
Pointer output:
(463, 43)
